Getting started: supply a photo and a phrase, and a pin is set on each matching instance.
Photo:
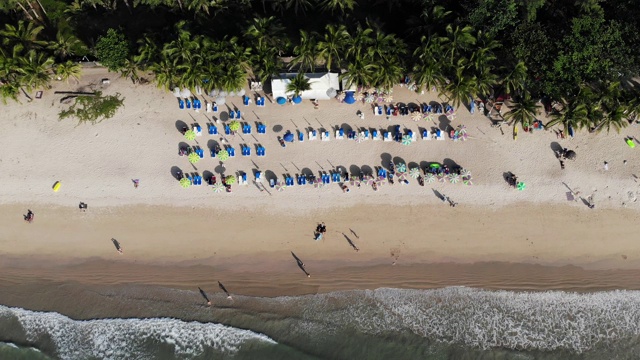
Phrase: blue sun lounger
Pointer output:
(238, 115)
(258, 176)
(231, 151)
(300, 179)
(232, 114)
(197, 104)
(262, 129)
(246, 100)
(227, 130)
(246, 129)
(260, 151)
(188, 103)
(246, 151)
(289, 181)
(197, 180)
(213, 153)
(300, 136)
(389, 110)
(272, 183)
(336, 177)
(326, 179)
(260, 101)
(382, 173)
(215, 107)
(181, 104)
(213, 130)
(200, 153)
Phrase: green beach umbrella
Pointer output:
(229, 180)
(223, 155)
(467, 180)
(401, 167)
(465, 172)
(406, 140)
(430, 178)
(234, 126)
(521, 186)
(194, 158)
(185, 183)
(190, 135)
(414, 173)
(454, 178)
(218, 187)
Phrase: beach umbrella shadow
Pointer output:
(220, 169)
(355, 170)
(346, 127)
(453, 166)
(207, 175)
(180, 125)
(367, 170)
(211, 144)
(175, 171)
(424, 165)
(277, 128)
(412, 164)
(398, 160)
(306, 172)
(385, 159)
(268, 175)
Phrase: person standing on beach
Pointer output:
(29, 216)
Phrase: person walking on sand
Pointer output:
(136, 183)
(117, 245)
(204, 295)
(29, 216)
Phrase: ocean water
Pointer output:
(448, 323)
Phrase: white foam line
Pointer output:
(125, 338)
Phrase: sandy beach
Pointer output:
(251, 230)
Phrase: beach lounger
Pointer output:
(366, 134)
(246, 151)
(340, 134)
(389, 110)
(231, 151)
(213, 130)
(246, 129)
(198, 130)
(376, 110)
(200, 153)
(387, 136)
(272, 183)
(326, 179)
(300, 136)
(439, 134)
(213, 153)
(197, 180)
(324, 136)
(261, 151)
(413, 135)
(299, 179)
(232, 114)
(227, 130)
(375, 135)
(260, 102)
(246, 101)
(312, 135)
(289, 181)
(262, 128)
(215, 107)
(243, 179)
(181, 104)
(382, 173)
(426, 135)
(238, 115)
(336, 177)
(188, 104)
(209, 107)
(258, 176)
(197, 104)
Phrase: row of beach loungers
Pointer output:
(374, 134)
(403, 110)
(213, 130)
(245, 150)
(213, 107)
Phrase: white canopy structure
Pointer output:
(321, 85)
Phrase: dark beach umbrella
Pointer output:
(570, 154)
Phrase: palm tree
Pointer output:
(427, 68)
(514, 81)
(23, 36)
(35, 70)
(574, 114)
(331, 47)
(461, 85)
(306, 52)
(130, 70)
(523, 110)
(9, 91)
(358, 44)
(268, 33)
(233, 78)
(616, 118)
(360, 73)
(457, 40)
(298, 84)
(165, 72)
(297, 5)
(148, 51)
(68, 70)
(386, 73)
(64, 45)
(184, 48)
(341, 5)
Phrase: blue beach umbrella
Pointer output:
(281, 101)
(288, 137)
(296, 99)
(349, 99)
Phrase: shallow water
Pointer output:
(448, 323)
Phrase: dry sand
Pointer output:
(252, 231)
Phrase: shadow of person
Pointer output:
(438, 194)
(556, 148)
(300, 264)
(350, 242)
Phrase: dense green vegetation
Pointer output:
(577, 54)
(92, 108)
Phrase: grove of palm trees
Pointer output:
(577, 56)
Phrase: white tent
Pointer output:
(320, 83)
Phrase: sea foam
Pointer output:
(483, 319)
(128, 338)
